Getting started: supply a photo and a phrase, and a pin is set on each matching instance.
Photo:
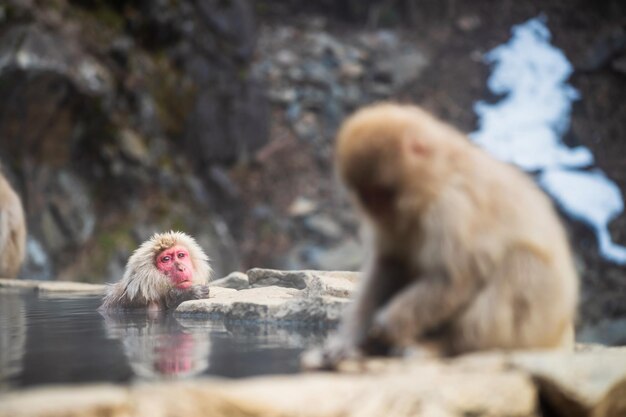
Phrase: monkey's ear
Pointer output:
(416, 146)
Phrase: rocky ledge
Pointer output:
(589, 383)
(302, 298)
(51, 286)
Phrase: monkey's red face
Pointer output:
(176, 264)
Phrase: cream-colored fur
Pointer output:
(12, 231)
(143, 284)
(468, 252)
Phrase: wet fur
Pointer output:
(143, 284)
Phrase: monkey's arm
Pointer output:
(176, 296)
(425, 305)
(384, 278)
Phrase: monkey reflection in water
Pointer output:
(467, 252)
(159, 345)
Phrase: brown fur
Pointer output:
(143, 285)
(12, 231)
(469, 253)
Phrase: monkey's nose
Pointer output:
(180, 266)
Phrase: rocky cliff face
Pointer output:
(125, 117)
(113, 119)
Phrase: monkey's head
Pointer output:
(393, 158)
(166, 260)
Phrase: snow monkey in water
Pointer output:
(467, 252)
(12, 231)
(164, 271)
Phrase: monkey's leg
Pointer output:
(195, 292)
(423, 306)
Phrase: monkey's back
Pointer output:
(531, 291)
(12, 231)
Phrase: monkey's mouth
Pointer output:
(186, 283)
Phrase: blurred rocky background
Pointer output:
(119, 118)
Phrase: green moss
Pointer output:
(109, 17)
(102, 13)
(110, 241)
(174, 96)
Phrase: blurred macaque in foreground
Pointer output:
(12, 231)
(164, 271)
(467, 252)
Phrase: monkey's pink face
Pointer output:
(175, 263)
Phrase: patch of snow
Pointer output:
(591, 197)
(525, 128)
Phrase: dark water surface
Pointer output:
(64, 339)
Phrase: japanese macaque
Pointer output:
(467, 252)
(164, 271)
(12, 231)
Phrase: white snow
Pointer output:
(525, 127)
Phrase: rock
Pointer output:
(89, 401)
(610, 332)
(69, 220)
(229, 114)
(347, 255)
(352, 70)
(318, 283)
(590, 383)
(307, 126)
(324, 226)
(286, 58)
(408, 67)
(234, 280)
(266, 277)
(29, 48)
(250, 304)
(73, 287)
(469, 23)
(134, 147)
(282, 96)
(619, 65)
(414, 388)
(53, 286)
(301, 206)
(318, 311)
(340, 284)
(19, 283)
(303, 298)
(37, 263)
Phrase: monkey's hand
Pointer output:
(195, 292)
(422, 307)
(331, 355)
(394, 326)
(200, 292)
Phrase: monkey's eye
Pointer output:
(377, 198)
(166, 259)
(181, 255)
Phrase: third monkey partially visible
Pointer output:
(12, 231)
